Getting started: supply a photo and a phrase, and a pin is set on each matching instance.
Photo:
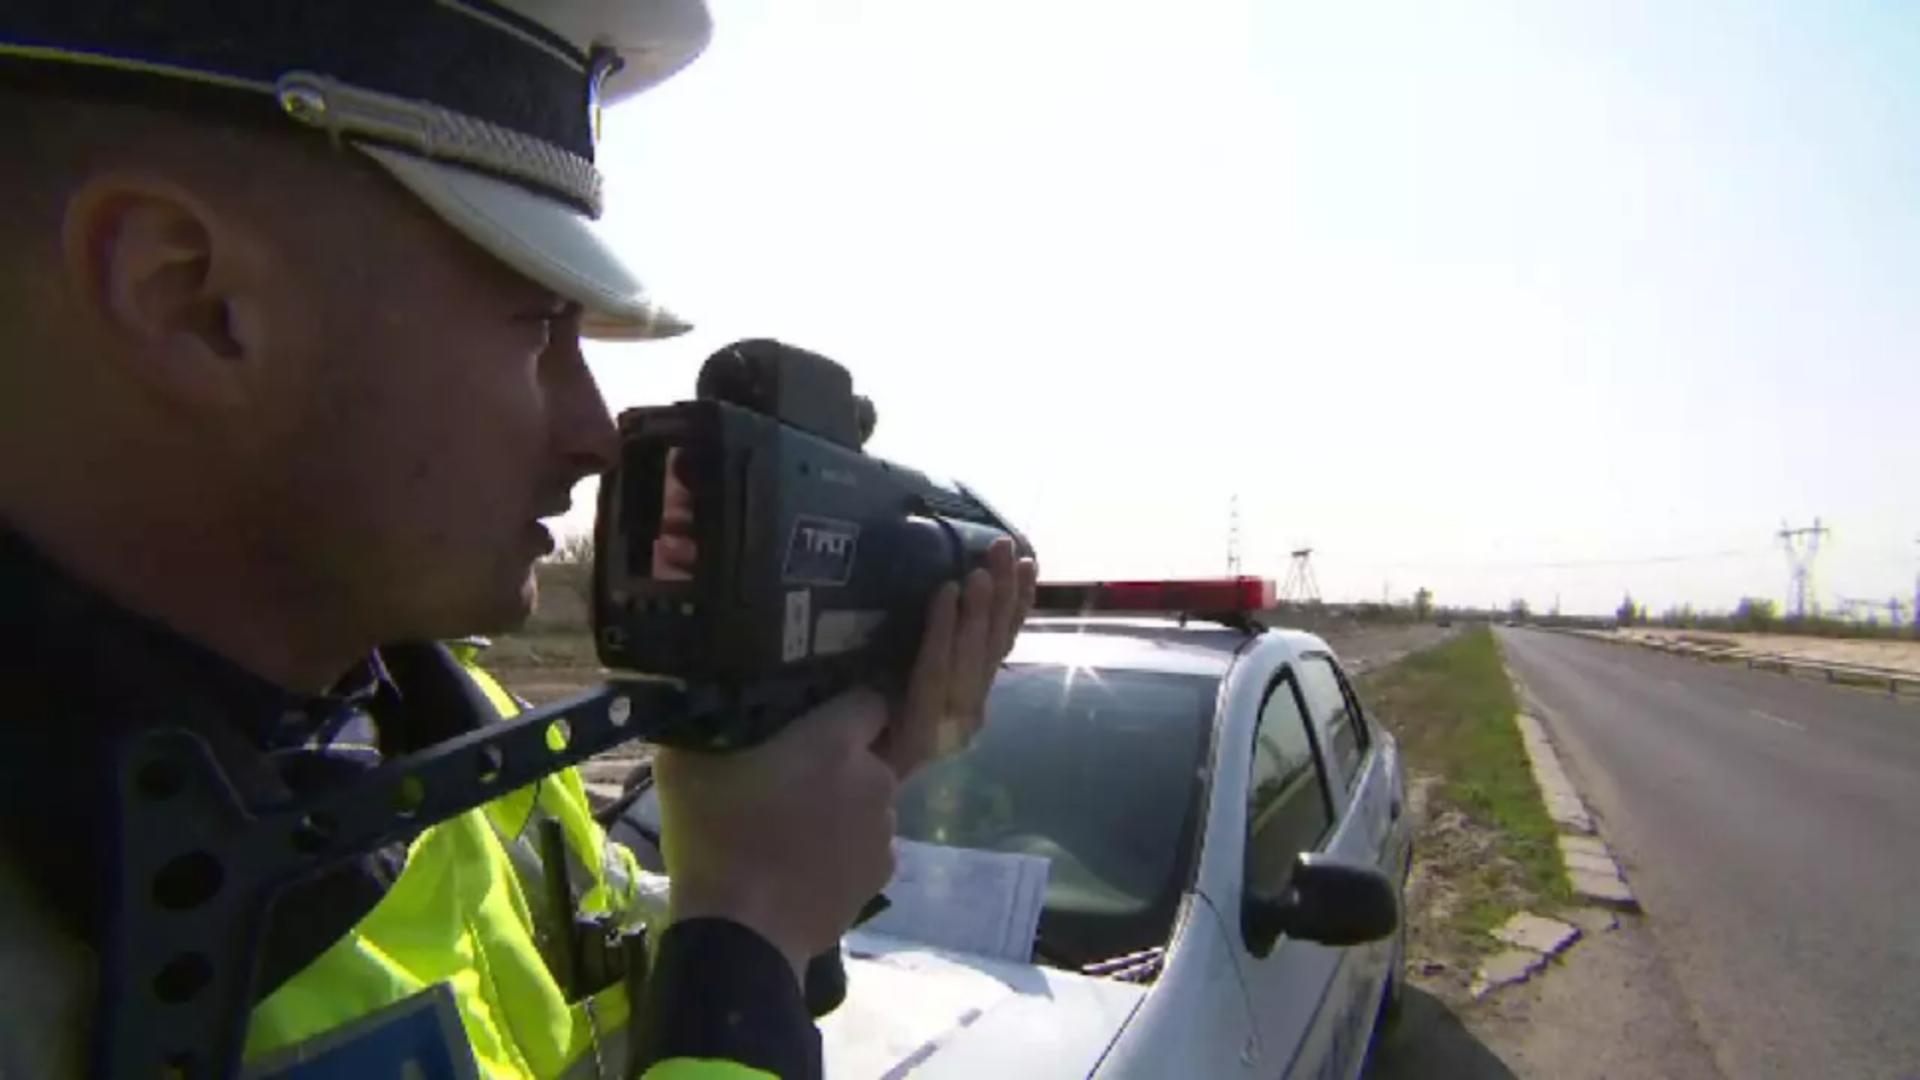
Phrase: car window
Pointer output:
(1362, 727)
(1346, 733)
(1099, 771)
(1287, 806)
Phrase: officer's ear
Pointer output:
(156, 267)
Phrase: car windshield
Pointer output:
(1098, 771)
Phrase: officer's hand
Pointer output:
(970, 629)
(674, 552)
(789, 838)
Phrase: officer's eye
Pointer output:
(554, 314)
(558, 322)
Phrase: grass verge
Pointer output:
(1485, 846)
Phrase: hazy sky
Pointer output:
(1504, 299)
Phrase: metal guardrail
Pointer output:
(1856, 674)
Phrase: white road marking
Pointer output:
(1783, 722)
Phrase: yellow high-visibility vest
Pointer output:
(463, 914)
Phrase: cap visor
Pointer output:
(546, 240)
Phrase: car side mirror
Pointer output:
(1328, 901)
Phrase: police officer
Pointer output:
(291, 295)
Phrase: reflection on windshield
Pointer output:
(1098, 771)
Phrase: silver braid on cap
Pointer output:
(438, 133)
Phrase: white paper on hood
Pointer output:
(982, 902)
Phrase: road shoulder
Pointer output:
(1610, 1008)
(1606, 1005)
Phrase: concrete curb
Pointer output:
(1505, 968)
(1592, 874)
(1531, 942)
(1591, 871)
(1563, 802)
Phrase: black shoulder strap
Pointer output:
(438, 699)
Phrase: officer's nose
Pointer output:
(583, 431)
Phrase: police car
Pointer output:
(1225, 841)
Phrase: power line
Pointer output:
(1575, 564)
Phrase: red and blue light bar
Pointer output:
(1205, 596)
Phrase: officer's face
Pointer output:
(447, 409)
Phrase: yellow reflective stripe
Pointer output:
(502, 702)
(703, 1069)
(563, 795)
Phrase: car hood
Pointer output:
(929, 1013)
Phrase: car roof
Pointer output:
(1193, 647)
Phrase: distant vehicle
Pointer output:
(1228, 845)
(1443, 620)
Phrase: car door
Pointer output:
(1363, 798)
(1290, 809)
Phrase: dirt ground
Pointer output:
(1898, 655)
(1450, 850)
(1606, 1009)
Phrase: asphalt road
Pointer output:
(1771, 828)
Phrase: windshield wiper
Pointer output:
(1135, 967)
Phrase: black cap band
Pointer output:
(471, 57)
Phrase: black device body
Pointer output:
(816, 561)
